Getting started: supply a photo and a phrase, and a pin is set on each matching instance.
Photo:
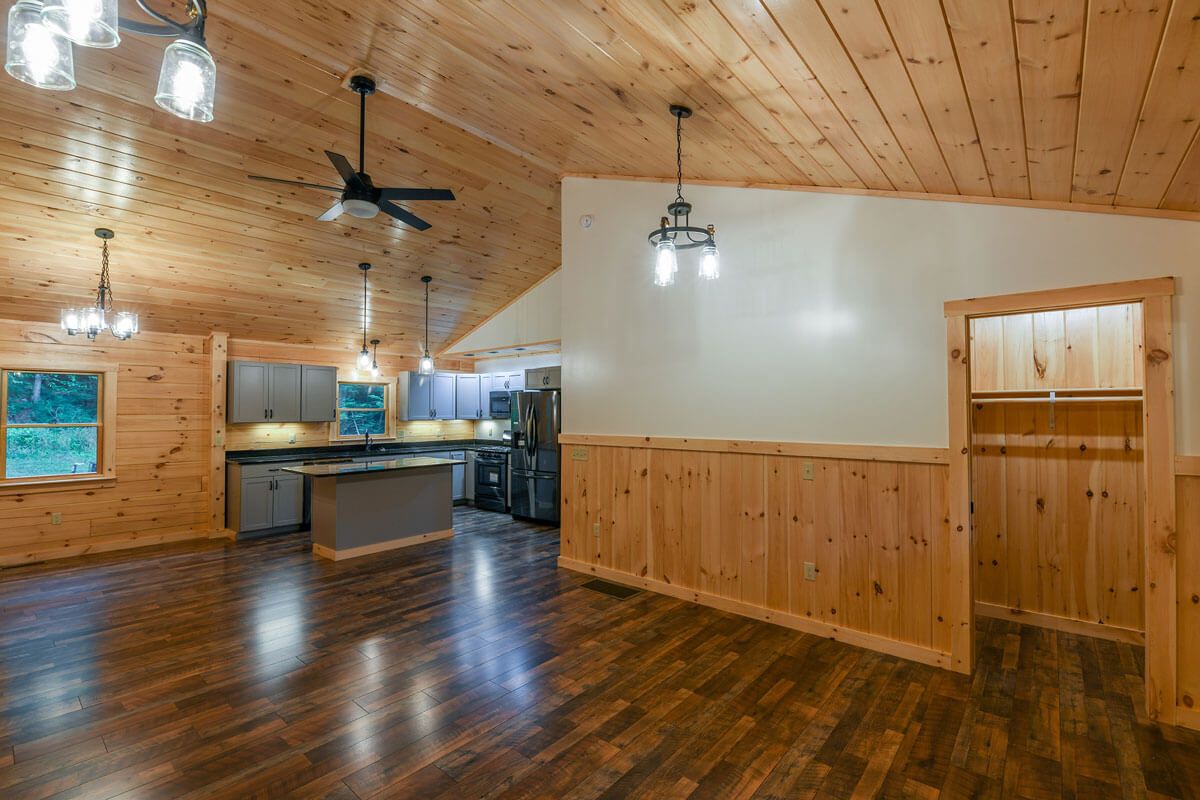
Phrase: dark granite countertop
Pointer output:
(379, 450)
(336, 470)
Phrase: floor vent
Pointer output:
(611, 589)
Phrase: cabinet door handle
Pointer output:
(272, 413)
(265, 413)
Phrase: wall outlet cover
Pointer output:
(56, 518)
(810, 571)
(596, 529)
(808, 470)
(579, 453)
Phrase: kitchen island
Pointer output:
(364, 508)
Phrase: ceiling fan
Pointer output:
(360, 198)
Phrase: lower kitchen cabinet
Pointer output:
(261, 497)
(287, 500)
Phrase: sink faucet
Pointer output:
(367, 442)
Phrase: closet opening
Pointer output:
(1062, 469)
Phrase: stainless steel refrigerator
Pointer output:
(536, 423)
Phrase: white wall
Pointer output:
(826, 324)
(535, 316)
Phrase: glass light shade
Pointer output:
(425, 367)
(665, 263)
(93, 321)
(374, 369)
(34, 54)
(364, 359)
(90, 23)
(363, 209)
(72, 320)
(187, 81)
(124, 325)
(710, 262)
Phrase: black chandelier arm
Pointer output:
(192, 29)
(672, 232)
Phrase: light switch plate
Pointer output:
(810, 571)
(596, 529)
(808, 471)
(579, 453)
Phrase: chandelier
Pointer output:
(670, 236)
(41, 32)
(94, 319)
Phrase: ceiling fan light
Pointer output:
(89, 23)
(187, 81)
(363, 209)
(34, 53)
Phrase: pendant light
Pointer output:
(364, 355)
(35, 54)
(671, 236)
(375, 358)
(41, 32)
(93, 320)
(425, 367)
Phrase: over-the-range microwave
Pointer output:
(499, 404)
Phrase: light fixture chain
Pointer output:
(104, 291)
(679, 157)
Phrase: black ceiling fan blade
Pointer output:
(407, 217)
(345, 170)
(416, 194)
(334, 212)
(295, 183)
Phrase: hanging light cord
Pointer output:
(426, 319)
(364, 309)
(104, 295)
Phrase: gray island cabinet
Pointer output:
(364, 508)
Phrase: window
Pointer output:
(52, 424)
(363, 408)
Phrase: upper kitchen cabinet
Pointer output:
(543, 378)
(508, 381)
(472, 396)
(267, 392)
(318, 393)
(427, 396)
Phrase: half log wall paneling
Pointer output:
(1058, 512)
(162, 448)
(268, 435)
(1097, 346)
(735, 530)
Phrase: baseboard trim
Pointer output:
(1187, 718)
(1064, 624)
(15, 557)
(867, 641)
(368, 549)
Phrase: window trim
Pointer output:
(388, 411)
(106, 432)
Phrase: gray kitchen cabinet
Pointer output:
(444, 391)
(287, 500)
(469, 397)
(544, 378)
(508, 381)
(249, 391)
(256, 506)
(261, 392)
(415, 396)
(318, 393)
(459, 478)
(285, 393)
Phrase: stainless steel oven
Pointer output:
(491, 478)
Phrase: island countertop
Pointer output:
(334, 470)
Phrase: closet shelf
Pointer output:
(1123, 395)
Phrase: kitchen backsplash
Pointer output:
(491, 428)
(266, 436)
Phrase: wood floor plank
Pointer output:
(473, 667)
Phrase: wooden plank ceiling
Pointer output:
(1061, 101)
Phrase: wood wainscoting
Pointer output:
(733, 524)
(1187, 493)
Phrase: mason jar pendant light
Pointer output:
(425, 367)
(40, 34)
(93, 320)
(364, 356)
(671, 236)
(375, 358)
(35, 54)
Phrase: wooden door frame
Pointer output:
(1158, 415)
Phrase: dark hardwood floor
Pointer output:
(474, 668)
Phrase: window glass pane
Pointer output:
(42, 398)
(362, 395)
(34, 452)
(358, 423)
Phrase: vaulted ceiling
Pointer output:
(1066, 101)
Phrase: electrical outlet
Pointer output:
(808, 472)
(400, 434)
(810, 571)
(579, 453)
(56, 518)
(596, 529)
(292, 437)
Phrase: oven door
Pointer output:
(499, 404)
(489, 474)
